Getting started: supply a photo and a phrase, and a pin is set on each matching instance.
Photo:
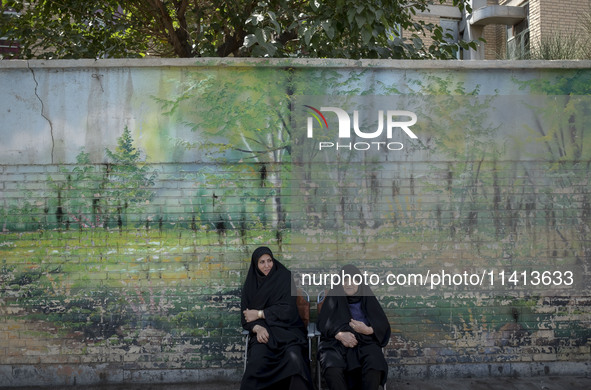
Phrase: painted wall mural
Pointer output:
(132, 196)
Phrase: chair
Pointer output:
(319, 302)
(303, 304)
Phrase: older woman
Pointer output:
(276, 352)
(354, 328)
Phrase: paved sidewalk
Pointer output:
(534, 383)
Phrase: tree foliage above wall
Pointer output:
(206, 28)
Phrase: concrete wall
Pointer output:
(132, 193)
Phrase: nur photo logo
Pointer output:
(389, 123)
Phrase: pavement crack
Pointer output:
(43, 110)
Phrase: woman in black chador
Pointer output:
(354, 328)
(277, 351)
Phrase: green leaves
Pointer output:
(308, 32)
(328, 29)
(208, 28)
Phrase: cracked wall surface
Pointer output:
(133, 192)
(43, 114)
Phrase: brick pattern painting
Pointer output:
(132, 197)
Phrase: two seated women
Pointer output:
(352, 324)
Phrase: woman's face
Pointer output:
(350, 288)
(265, 264)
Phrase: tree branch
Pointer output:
(261, 151)
(162, 16)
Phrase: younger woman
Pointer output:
(277, 357)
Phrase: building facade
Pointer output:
(512, 29)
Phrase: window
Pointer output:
(450, 27)
(518, 38)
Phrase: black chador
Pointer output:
(283, 359)
(366, 359)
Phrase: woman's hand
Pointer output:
(262, 334)
(251, 315)
(347, 339)
(360, 327)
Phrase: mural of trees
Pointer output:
(92, 196)
(561, 132)
(111, 251)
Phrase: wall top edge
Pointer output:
(294, 63)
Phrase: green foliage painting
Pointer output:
(142, 256)
(90, 196)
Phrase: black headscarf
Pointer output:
(256, 255)
(335, 314)
(351, 270)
